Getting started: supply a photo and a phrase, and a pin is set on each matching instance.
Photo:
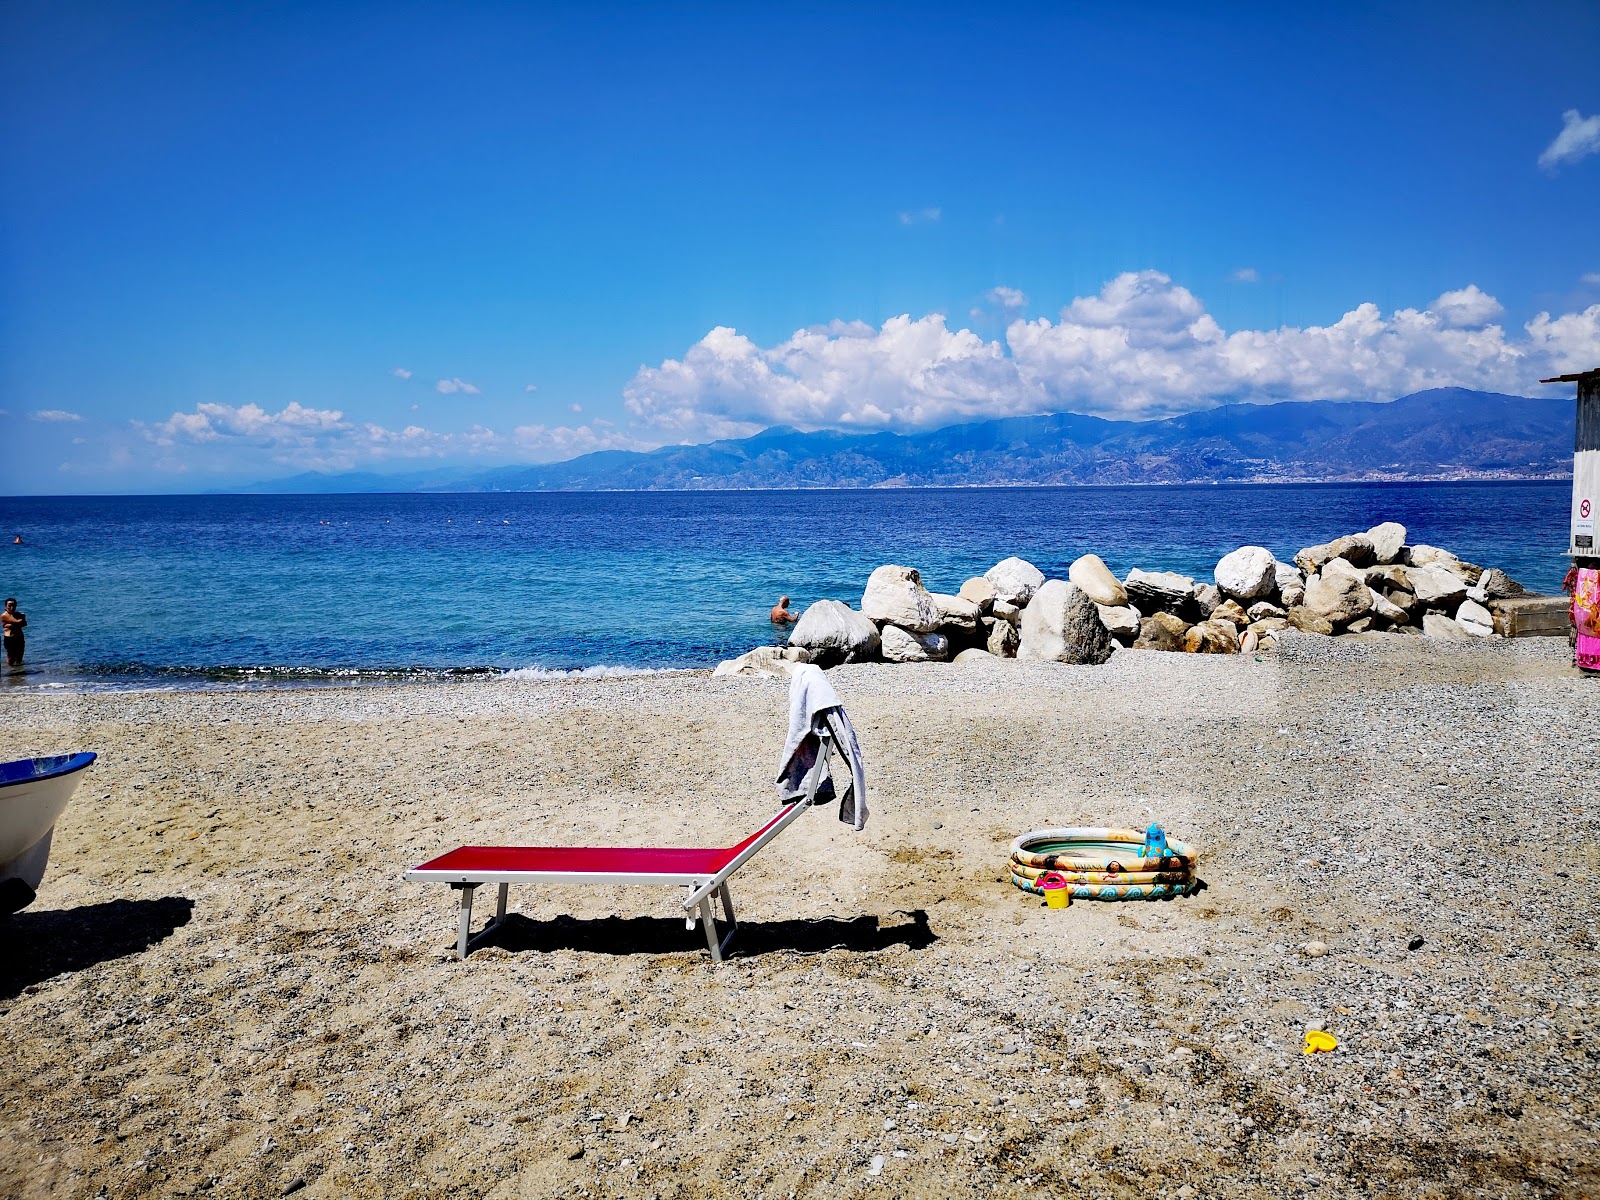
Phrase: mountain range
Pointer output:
(1445, 433)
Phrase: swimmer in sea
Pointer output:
(13, 621)
(780, 612)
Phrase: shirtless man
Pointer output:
(780, 612)
(13, 622)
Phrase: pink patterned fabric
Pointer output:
(1586, 617)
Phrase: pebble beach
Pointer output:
(224, 987)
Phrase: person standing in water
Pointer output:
(14, 623)
(780, 613)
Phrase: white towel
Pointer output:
(814, 707)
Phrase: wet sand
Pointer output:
(224, 989)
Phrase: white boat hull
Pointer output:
(33, 795)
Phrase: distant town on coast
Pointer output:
(1440, 434)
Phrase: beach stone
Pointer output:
(1158, 591)
(1498, 585)
(1338, 596)
(1306, 621)
(1061, 624)
(1341, 566)
(980, 591)
(764, 662)
(1262, 609)
(1292, 594)
(895, 596)
(1475, 619)
(956, 613)
(1269, 641)
(1435, 585)
(1007, 611)
(1211, 637)
(1096, 581)
(1248, 573)
(905, 645)
(1387, 609)
(1359, 625)
(1002, 640)
(973, 654)
(1477, 593)
(1268, 625)
(835, 633)
(1422, 556)
(798, 654)
(1388, 540)
(1386, 578)
(1287, 575)
(1121, 621)
(1161, 631)
(1249, 642)
(1355, 549)
(1205, 598)
(1015, 580)
(1405, 601)
(1230, 612)
(1440, 626)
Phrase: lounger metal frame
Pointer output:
(700, 888)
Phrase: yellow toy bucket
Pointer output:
(1057, 891)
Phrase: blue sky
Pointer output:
(238, 242)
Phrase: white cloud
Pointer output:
(1142, 347)
(56, 415)
(919, 216)
(1590, 277)
(541, 443)
(400, 373)
(1246, 275)
(1579, 138)
(1468, 308)
(532, 387)
(1007, 297)
(450, 386)
(577, 408)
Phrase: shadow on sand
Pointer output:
(667, 935)
(35, 946)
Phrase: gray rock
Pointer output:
(1161, 631)
(973, 654)
(1406, 601)
(980, 591)
(1436, 585)
(1121, 621)
(1269, 625)
(904, 645)
(1475, 619)
(1158, 591)
(1248, 573)
(1287, 575)
(1002, 639)
(834, 633)
(1386, 609)
(1440, 626)
(1061, 624)
(1292, 594)
(1015, 580)
(1499, 585)
(1338, 596)
(1097, 582)
(1007, 611)
(1356, 549)
(1205, 598)
(764, 662)
(1306, 621)
(1386, 578)
(956, 613)
(1359, 625)
(1262, 609)
(895, 596)
(1422, 556)
(1388, 540)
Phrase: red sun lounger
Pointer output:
(701, 871)
(817, 725)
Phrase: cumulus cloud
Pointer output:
(919, 216)
(400, 373)
(1246, 275)
(1590, 277)
(451, 386)
(56, 415)
(1143, 346)
(1579, 138)
(1468, 308)
(1007, 298)
(542, 443)
(532, 387)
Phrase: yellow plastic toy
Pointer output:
(1318, 1042)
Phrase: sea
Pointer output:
(181, 592)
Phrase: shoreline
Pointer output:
(223, 988)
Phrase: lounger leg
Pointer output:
(727, 912)
(500, 906)
(710, 922)
(465, 933)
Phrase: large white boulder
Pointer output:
(1437, 625)
(1092, 575)
(1475, 619)
(955, 612)
(1015, 580)
(1387, 541)
(1121, 620)
(895, 596)
(980, 591)
(1061, 624)
(1158, 591)
(1436, 585)
(835, 633)
(901, 645)
(1248, 573)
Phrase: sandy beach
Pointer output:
(225, 989)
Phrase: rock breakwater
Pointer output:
(1375, 581)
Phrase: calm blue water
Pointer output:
(232, 590)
